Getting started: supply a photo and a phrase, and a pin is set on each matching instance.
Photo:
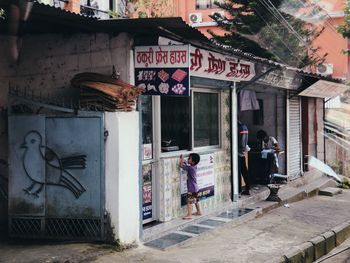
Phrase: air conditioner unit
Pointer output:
(325, 69)
(195, 18)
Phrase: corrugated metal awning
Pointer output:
(324, 89)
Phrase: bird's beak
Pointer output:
(24, 145)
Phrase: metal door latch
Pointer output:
(105, 134)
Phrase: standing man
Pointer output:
(242, 167)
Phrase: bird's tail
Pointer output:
(74, 162)
(71, 183)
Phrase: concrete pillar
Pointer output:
(122, 175)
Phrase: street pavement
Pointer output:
(265, 238)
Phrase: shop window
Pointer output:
(205, 119)
(175, 123)
(205, 4)
(147, 124)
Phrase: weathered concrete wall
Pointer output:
(337, 156)
(48, 63)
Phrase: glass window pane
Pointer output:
(206, 119)
(147, 124)
(203, 4)
(175, 123)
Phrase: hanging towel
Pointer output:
(248, 100)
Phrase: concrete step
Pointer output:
(177, 231)
(187, 232)
(330, 191)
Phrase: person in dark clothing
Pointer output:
(242, 167)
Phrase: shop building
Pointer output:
(192, 107)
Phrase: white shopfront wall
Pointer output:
(181, 115)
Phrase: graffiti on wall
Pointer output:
(36, 156)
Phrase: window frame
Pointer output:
(213, 91)
(158, 126)
(210, 5)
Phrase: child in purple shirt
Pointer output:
(192, 187)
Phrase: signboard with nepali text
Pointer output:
(163, 70)
(166, 70)
(213, 65)
(205, 179)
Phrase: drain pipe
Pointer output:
(234, 144)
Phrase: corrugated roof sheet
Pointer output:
(48, 19)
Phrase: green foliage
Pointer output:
(345, 28)
(251, 27)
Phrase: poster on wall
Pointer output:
(147, 191)
(163, 70)
(147, 151)
(205, 179)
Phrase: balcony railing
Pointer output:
(94, 12)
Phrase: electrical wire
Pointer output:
(278, 36)
(276, 13)
(313, 12)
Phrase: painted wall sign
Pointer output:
(166, 70)
(163, 70)
(281, 79)
(205, 178)
(212, 65)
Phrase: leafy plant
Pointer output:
(267, 31)
(344, 29)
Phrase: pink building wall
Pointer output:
(331, 42)
(185, 8)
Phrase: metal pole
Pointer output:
(234, 144)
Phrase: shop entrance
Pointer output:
(263, 111)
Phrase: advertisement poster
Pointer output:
(163, 70)
(147, 191)
(147, 151)
(205, 178)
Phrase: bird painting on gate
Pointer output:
(56, 172)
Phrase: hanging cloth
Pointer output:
(248, 100)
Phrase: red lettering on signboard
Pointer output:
(196, 60)
(242, 72)
(145, 57)
(233, 69)
(245, 69)
(161, 56)
(178, 56)
(216, 65)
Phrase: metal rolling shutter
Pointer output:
(294, 138)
